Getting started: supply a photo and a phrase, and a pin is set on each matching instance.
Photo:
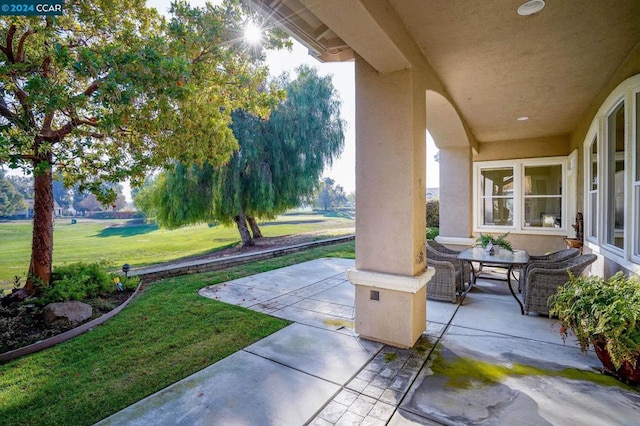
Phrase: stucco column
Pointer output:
(390, 275)
(455, 194)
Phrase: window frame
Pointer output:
(607, 164)
(635, 173)
(518, 166)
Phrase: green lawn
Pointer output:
(117, 242)
(167, 333)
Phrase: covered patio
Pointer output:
(479, 361)
(534, 107)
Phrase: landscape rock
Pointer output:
(67, 312)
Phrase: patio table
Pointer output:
(503, 258)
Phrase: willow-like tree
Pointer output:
(277, 167)
(110, 89)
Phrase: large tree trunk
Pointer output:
(255, 229)
(241, 222)
(42, 240)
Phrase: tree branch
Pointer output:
(46, 66)
(68, 127)
(48, 119)
(29, 157)
(6, 112)
(23, 38)
(8, 48)
(92, 88)
(22, 97)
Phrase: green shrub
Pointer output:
(78, 281)
(500, 241)
(599, 310)
(433, 213)
(129, 284)
(432, 233)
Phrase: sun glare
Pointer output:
(252, 33)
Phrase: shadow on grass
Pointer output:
(127, 230)
(291, 222)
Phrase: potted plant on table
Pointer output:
(488, 242)
(604, 314)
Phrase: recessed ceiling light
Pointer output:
(523, 118)
(531, 7)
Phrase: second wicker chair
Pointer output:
(544, 278)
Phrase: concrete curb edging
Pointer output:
(196, 266)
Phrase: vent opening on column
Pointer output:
(374, 295)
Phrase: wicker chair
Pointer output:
(442, 248)
(558, 256)
(544, 278)
(446, 283)
(437, 251)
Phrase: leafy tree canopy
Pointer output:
(110, 90)
(277, 166)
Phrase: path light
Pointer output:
(125, 269)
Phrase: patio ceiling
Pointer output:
(495, 65)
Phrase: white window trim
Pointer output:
(606, 169)
(626, 257)
(518, 166)
(595, 132)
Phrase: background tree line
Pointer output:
(16, 190)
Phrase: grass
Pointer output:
(118, 242)
(167, 333)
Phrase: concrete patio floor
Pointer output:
(479, 362)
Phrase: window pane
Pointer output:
(497, 211)
(637, 125)
(615, 177)
(636, 212)
(593, 224)
(496, 187)
(543, 180)
(543, 212)
(594, 165)
(497, 181)
(593, 192)
(636, 207)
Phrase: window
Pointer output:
(592, 183)
(496, 187)
(612, 177)
(615, 177)
(636, 180)
(543, 196)
(520, 195)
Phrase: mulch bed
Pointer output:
(23, 324)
